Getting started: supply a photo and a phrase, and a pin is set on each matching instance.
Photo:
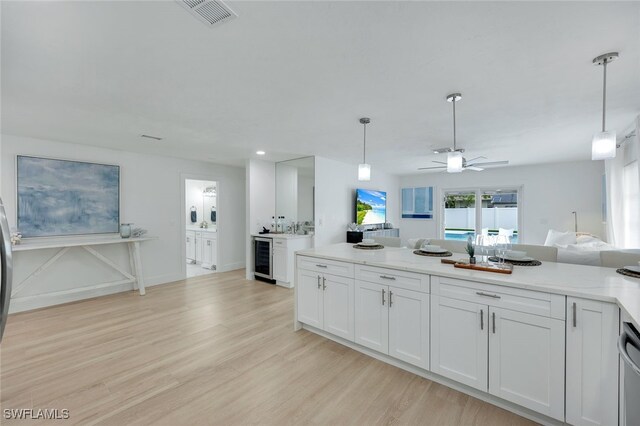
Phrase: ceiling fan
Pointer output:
(455, 161)
(468, 164)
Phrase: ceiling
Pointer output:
(293, 78)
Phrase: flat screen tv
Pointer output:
(371, 207)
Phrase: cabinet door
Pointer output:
(372, 316)
(280, 264)
(409, 326)
(191, 245)
(526, 360)
(338, 306)
(459, 342)
(310, 298)
(592, 362)
(208, 250)
(198, 246)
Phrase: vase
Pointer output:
(125, 230)
(472, 260)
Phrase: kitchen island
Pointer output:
(502, 338)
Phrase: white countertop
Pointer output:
(283, 236)
(212, 228)
(589, 282)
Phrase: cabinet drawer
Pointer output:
(401, 279)
(532, 302)
(279, 242)
(332, 267)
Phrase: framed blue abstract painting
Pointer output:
(63, 197)
(417, 203)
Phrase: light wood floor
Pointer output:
(215, 349)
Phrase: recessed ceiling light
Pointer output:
(260, 152)
(151, 137)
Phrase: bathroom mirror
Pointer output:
(295, 188)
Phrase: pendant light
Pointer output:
(603, 145)
(454, 158)
(364, 169)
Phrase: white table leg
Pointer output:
(135, 248)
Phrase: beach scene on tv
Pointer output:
(371, 207)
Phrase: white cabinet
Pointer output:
(409, 326)
(280, 264)
(459, 342)
(338, 307)
(526, 360)
(326, 302)
(191, 246)
(479, 339)
(393, 321)
(209, 249)
(372, 316)
(310, 300)
(592, 362)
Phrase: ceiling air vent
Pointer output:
(211, 12)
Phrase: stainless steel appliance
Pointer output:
(629, 348)
(6, 269)
(263, 258)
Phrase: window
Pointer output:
(631, 201)
(481, 211)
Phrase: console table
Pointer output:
(87, 243)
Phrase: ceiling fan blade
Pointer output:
(436, 167)
(442, 150)
(490, 163)
(439, 162)
(474, 168)
(477, 158)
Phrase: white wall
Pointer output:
(336, 183)
(260, 201)
(550, 193)
(194, 197)
(151, 198)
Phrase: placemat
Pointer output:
(422, 253)
(632, 274)
(378, 247)
(515, 262)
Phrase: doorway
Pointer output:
(201, 236)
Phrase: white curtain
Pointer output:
(623, 193)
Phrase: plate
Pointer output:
(437, 251)
(519, 259)
(635, 269)
(368, 244)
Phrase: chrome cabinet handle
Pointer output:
(321, 266)
(188, 239)
(318, 282)
(493, 314)
(622, 349)
(575, 315)
(390, 298)
(324, 285)
(208, 242)
(480, 293)
(383, 297)
(481, 319)
(386, 277)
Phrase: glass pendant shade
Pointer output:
(603, 146)
(454, 162)
(364, 172)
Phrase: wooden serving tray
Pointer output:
(508, 269)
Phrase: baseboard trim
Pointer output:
(483, 396)
(231, 266)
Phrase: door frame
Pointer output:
(183, 220)
(478, 206)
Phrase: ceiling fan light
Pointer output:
(364, 172)
(603, 145)
(454, 162)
